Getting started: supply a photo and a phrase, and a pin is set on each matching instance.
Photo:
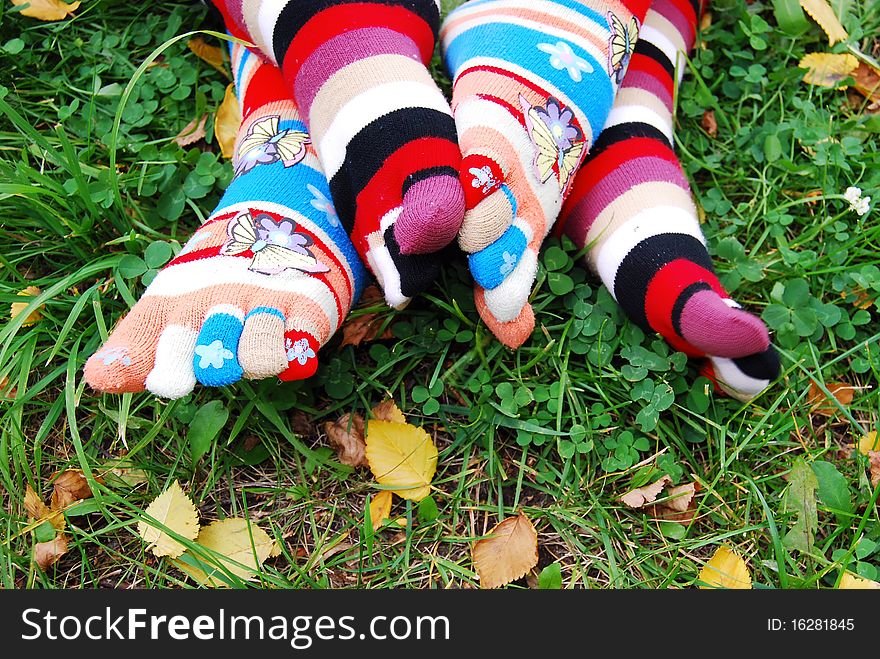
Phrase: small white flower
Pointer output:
(509, 263)
(214, 355)
(321, 203)
(857, 203)
(299, 351)
(483, 178)
(562, 57)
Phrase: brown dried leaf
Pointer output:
(38, 511)
(347, 436)
(213, 55)
(388, 411)
(46, 554)
(681, 506)
(820, 404)
(192, 132)
(874, 457)
(70, 486)
(46, 10)
(709, 123)
(508, 554)
(227, 121)
(364, 328)
(867, 81)
(642, 496)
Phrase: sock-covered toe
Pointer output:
(718, 329)
(433, 210)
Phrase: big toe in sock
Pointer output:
(720, 330)
(433, 210)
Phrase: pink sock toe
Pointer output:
(720, 330)
(433, 211)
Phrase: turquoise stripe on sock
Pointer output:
(593, 95)
(216, 359)
(493, 264)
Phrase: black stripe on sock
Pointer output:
(367, 152)
(424, 174)
(417, 271)
(621, 132)
(682, 300)
(297, 13)
(762, 366)
(648, 49)
(644, 261)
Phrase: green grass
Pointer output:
(559, 429)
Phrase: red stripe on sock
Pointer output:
(639, 8)
(664, 290)
(384, 192)
(266, 86)
(652, 67)
(343, 18)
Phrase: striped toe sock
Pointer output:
(632, 203)
(533, 85)
(381, 126)
(265, 281)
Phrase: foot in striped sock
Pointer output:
(632, 203)
(382, 128)
(262, 285)
(534, 83)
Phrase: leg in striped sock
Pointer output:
(632, 204)
(534, 83)
(262, 285)
(382, 128)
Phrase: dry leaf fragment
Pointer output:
(827, 69)
(822, 405)
(17, 308)
(868, 443)
(245, 545)
(213, 55)
(709, 123)
(874, 457)
(175, 511)
(867, 80)
(388, 411)
(824, 15)
(70, 486)
(38, 511)
(192, 132)
(510, 551)
(726, 569)
(364, 328)
(852, 581)
(347, 436)
(227, 121)
(46, 10)
(380, 508)
(642, 496)
(47, 554)
(402, 457)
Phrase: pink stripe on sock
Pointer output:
(626, 176)
(671, 13)
(234, 7)
(344, 49)
(636, 79)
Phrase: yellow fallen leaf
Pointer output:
(824, 15)
(175, 511)
(227, 121)
(726, 569)
(827, 69)
(868, 443)
(851, 581)
(47, 554)
(40, 512)
(402, 457)
(46, 10)
(213, 55)
(642, 496)
(510, 551)
(16, 308)
(388, 411)
(192, 132)
(245, 545)
(380, 508)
